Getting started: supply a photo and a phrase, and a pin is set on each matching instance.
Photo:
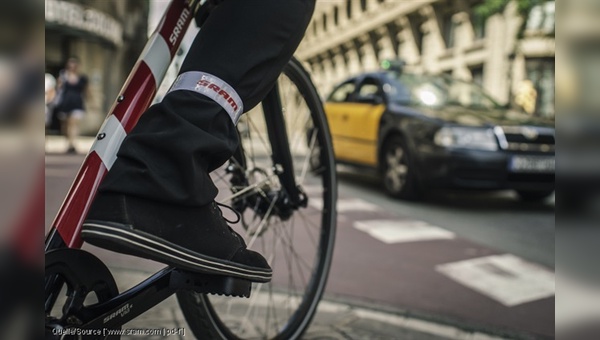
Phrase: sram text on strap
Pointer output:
(212, 87)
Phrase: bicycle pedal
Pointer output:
(211, 284)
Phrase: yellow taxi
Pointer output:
(422, 131)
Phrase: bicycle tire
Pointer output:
(209, 322)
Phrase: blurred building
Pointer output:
(347, 37)
(106, 35)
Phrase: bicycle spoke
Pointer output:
(262, 224)
(307, 159)
(260, 137)
(297, 139)
(310, 235)
(293, 245)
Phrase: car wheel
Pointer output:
(534, 195)
(397, 171)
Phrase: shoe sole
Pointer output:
(119, 238)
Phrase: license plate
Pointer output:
(532, 164)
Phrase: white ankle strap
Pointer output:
(214, 88)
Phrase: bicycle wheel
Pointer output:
(298, 244)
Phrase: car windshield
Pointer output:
(435, 91)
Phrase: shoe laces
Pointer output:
(237, 214)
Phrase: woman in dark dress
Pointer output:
(72, 86)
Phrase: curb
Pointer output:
(339, 318)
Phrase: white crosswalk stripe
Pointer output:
(346, 205)
(400, 231)
(506, 278)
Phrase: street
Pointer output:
(477, 261)
(483, 224)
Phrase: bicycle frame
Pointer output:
(134, 98)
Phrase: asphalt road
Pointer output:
(495, 219)
(477, 260)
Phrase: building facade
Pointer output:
(106, 36)
(347, 37)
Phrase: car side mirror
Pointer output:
(373, 99)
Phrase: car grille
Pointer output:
(526, 139)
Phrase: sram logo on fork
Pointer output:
(179, 27)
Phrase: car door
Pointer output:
(337, 107)
(361, 122)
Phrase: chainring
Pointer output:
(83, 274)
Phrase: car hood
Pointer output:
(476, 117)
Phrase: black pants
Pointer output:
(176, 143)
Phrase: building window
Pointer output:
(336, 15)
(416, 22)
(325, 22)
(477, 74)
(448, 30)
(349, 8)
(541, 18)
(541, 73)
(478, 23)
(363, 5)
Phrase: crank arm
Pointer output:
(130, 304)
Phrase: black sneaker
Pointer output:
(190, 238)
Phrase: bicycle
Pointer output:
(281, 180)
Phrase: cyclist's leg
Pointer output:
(160, 183)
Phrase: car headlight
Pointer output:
(466, 137)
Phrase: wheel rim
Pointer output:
(396, 169)
(282, 308)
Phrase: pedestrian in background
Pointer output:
(70, 104)
(50, 94)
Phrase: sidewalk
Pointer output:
(58, 144)
(334, 320)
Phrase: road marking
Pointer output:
(506, 278)
(399, 231)
(63, 159)
(59, 145)
(345, 205)
(313, 189)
